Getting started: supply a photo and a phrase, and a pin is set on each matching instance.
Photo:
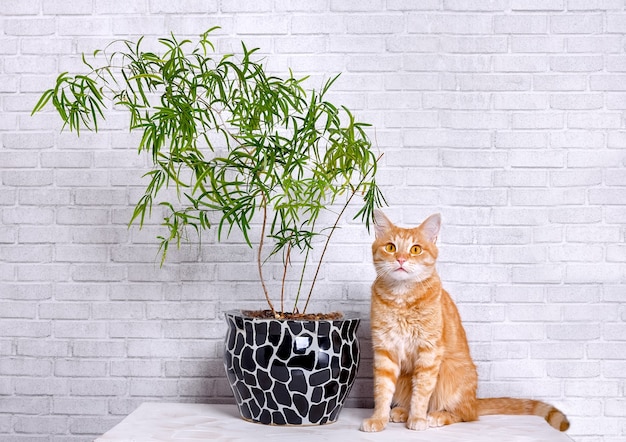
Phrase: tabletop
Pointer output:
(154, 421)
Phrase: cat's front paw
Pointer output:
(418, 424)
(398, 414)
(373, 424)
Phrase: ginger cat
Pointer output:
(423, 372)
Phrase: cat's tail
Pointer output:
(507, 405)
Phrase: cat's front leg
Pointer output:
(386, 372)
(424, 382)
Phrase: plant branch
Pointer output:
(332, 230)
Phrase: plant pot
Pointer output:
(291, 372)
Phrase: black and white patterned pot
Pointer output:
(285, 372)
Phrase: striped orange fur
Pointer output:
(423, 372)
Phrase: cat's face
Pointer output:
(405, 255)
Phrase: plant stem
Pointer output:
(259, 261)
(282, 291)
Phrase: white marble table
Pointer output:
(195, 422)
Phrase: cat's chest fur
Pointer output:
(402, 328)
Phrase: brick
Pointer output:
(587, 273)
(15, 7)
(514, 216)
(554, 350)
(91, 426)
(17, 310)
(105, 349)
(517, 139)
(25, 405)
(134, 329)
(518, 332)
(401, 5)
(456, 101)
(572, 253)
(571, 178)
(512, 101)
(38, 386)
(560, 82)
(73, 254)
(41, 424)
(607, 82)
(538, 5)
(576, 23)
(427, 138)
(537, 44)
(36, 367)
(186, 6)
(98, 387)
(520, 63)
(491, 82)
(577, 138)
(579, 215)
(79, 406)
(118, 311)
(519, 255)
(576, 101)
(59, 310)
(593, 5)
(537, 274)
(29, 26)
(166, 347)
(520, 24)
(573, 332)
(136, 368)
(187, 310)
(154, 387)
(42, 348)
(24, 292)
(591, 388)
(570, 369)
(482, 313)
(538, 120)
(596, 120)
(449, 23)
(546, 197)
(474, 120)
(27, 178)
(374, 23)
(78, 367)
(262, 24)
(520, 178)
(80, 292)
(79, 329)
(593, 44)
(400, 43)
(14, 159)
(518, 369)
(411, 119)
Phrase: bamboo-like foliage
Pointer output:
(232, 140)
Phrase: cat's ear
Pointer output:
(381, 223)
(431, 227)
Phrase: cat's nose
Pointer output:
(401, 261)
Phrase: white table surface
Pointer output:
(154, 421)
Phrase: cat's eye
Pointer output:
(390, 248)
(416, 250)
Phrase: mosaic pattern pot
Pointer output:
(287, 372)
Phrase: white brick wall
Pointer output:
(506, 116)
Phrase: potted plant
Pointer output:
(248, 151)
